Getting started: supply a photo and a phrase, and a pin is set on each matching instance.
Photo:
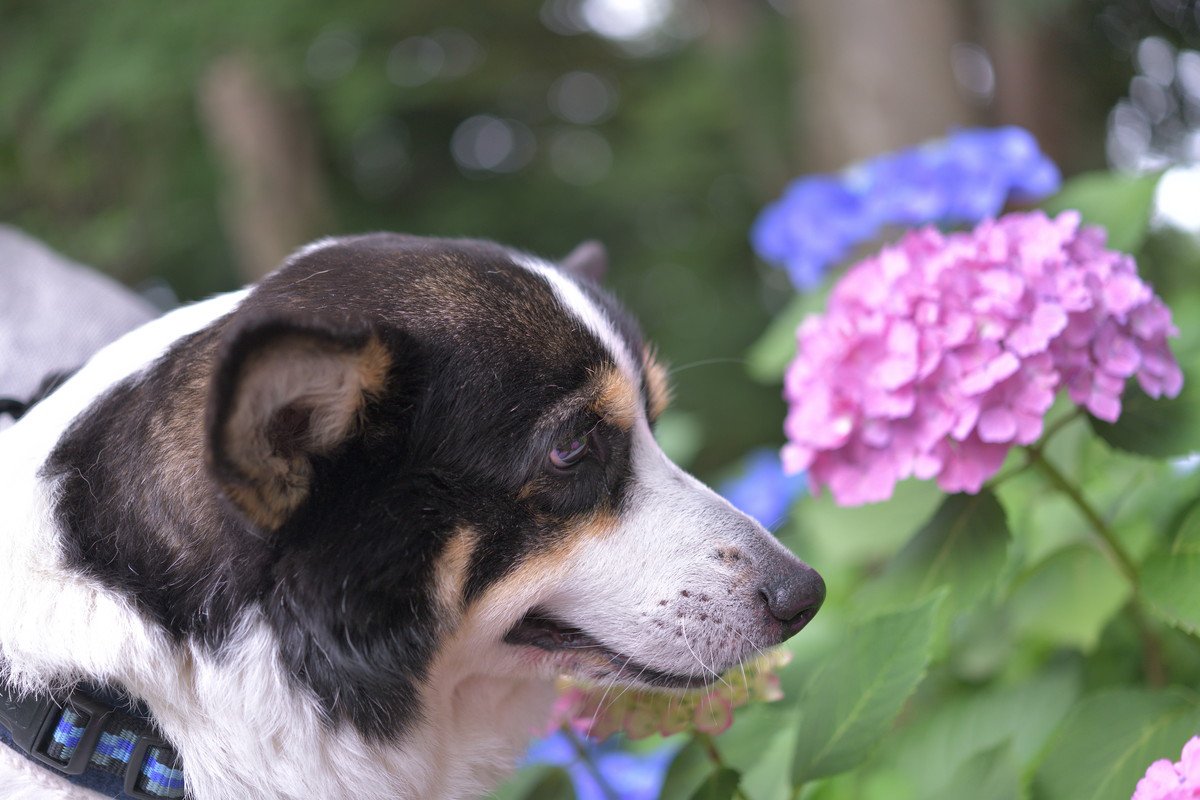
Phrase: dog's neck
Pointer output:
(240, 723)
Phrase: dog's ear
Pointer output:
(589, 260)
(286, 391)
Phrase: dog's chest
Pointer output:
(477, 732)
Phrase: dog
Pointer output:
(338, 534)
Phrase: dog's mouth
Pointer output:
(541, 630)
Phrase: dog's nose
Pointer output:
(793, 598)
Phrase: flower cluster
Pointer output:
(763, 490)
(966, 177)
(1178, 781)
(599, 712)
(937, 355)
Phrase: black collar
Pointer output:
(93, 738)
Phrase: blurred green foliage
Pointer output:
(102, 153)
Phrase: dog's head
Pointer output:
(437, 454)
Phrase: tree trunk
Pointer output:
(274, 198)
(875, 75)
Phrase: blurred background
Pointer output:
(193, 145)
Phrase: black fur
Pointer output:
(486, 375)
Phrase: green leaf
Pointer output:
(759, 745)
(851, 703)
(1120, 203)
(963, 547)
(938, 746)
(769, 777)
(1170, 584)
(1161, 428)
(537, 783)
(1110, 739)
(1170, 576)
(861, 534)
(1069, 598)
(720, 785)
(680, 435)
(754, 728)
(768, 357)
(687, 772)
(990, 775)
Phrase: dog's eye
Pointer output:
(571, 450)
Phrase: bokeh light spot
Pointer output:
(414, 61)
(332, 54)
(582, 98)
(973, 71)
(485, 143)
(1156, 60)
(625, 20)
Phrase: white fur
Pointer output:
(312, 247)
(21, 779)
(587, 312)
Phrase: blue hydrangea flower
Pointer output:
(966, 177)
(763, 490)
(627, 775)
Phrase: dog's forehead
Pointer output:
(478, 297)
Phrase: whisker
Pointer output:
(758, 651)
(705, 363)
(603, 697)
(688, 644)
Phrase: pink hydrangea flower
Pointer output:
(599, 711)
(1178, 781)
(939, 354)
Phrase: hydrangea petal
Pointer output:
(938, 355)
(1165, 780)
(965, 177)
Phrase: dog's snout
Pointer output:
(793, 598)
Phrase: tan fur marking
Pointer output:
(600, 523)
(374, 362)
(657, 383)
(616, 399)
(332, 387)
(450, 573)
(520, 589)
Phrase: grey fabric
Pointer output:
(54, 313)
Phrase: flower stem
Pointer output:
(714, 755)
(1152, 656)
(585, 756)
(1049, 431)
(1111, 545)
(1059, 424)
